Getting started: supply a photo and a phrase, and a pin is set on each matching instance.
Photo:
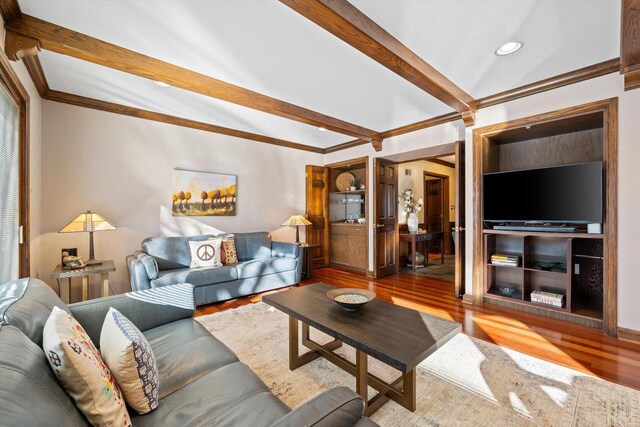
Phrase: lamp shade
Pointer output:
(88, 222)
(297, 220)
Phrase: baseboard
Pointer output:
(370, 274)
(467, 299)
(627, 334)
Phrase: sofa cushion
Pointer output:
(263, 267)
(185, 351)
(196, 276)
(27, 304)
(128, 355)
(25, 377)
(230, 396)
(253, 245)
(79, 367)
(206, 253)
(171, 252)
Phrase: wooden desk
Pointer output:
(427, 237)
(102, 269)
(307, 258)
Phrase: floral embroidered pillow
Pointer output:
(129, 356)
(78, 366)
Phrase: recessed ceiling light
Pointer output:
(161, 84)
(321, 129)
(509, 48)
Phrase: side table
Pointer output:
(307, 258)
(102, 269)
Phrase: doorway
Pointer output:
(435, 175)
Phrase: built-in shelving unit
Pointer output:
(585, 273)
(348, 246)
(533, 249)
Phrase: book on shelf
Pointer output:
(504, 259)
(547, 298)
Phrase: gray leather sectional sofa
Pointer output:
(202, 382)
(262, 265)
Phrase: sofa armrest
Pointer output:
(138, 277)
(147, 309)
(285, 249)
(338, 407)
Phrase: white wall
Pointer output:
(121, 167)
(415, 182)
(35, 151)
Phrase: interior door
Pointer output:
(460, 220)
(434, 203)
(317, 189)
(386, 218)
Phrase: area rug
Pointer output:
(434, 269)
(468, 382)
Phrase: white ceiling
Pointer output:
(264, 46)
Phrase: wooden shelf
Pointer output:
(519, 267)
(349, 192)
(543, 234)
(497, 296)
(552, 271)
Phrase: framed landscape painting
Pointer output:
(203, 194)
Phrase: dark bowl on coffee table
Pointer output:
(351, 299)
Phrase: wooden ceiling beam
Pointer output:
(64, 41)
(349, 24)
(630, 44)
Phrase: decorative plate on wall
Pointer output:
(343, 181)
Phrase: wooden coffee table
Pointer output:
(397, 336)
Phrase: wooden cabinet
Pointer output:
(348, 246)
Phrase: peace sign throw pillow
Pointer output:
(205, 253)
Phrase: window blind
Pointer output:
(9, 185)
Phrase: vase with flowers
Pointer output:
(411, 206)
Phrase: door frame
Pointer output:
(16, 91)
(453, 148)
(444, 184)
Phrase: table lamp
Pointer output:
(297, 220)
(88, 222)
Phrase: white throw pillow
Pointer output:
(129, 356)
(79, 367)
(205, 253)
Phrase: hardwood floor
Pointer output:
(577, 347)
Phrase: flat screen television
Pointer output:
(570, 194)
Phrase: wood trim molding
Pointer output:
(609, 108)
(81, 101)
(630, 44)
(11, 83)
(68, 42)
(442, 163)
(627, 334)
(349, 24)
(575, 76)
(32, 63)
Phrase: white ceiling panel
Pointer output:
(459, 37)
(261, 45)
(86, 79)
(264, 46)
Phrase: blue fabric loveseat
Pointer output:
(262, 265)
